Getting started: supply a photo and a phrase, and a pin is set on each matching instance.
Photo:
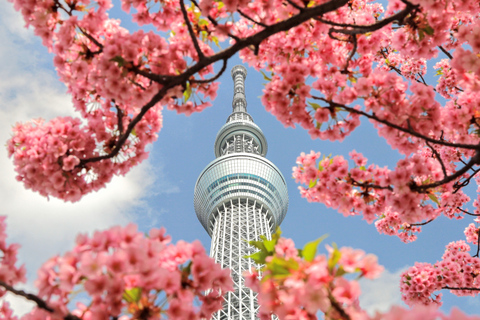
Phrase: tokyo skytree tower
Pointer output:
(238, 197)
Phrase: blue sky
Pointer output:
(160, 191)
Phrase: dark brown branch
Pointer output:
(224, 67)
(422, 223)
(473, 161)
(35, 299)
(437, 156)
(399, 128)
(338, 307)
(200, 54)
(458, 185)
(254, 40)
(369, 186)
(214, 22)
(446, 52)
(240, 12)
(352, 53)
(119, 119)
(362, 29)
(296, 6)
(469, 213)
(461, 288)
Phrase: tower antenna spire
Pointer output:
(239, 104)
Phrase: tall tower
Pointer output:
(238, 197)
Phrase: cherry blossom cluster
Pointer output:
(114, 77)
(314, 283)
(381, 195)
(298, 284)
(457, 271)
(128, 275)
(9, 272)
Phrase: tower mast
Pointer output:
(239, 197)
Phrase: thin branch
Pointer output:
(35, 299)
(446, 52)
(214, 22)
(464, 183)
(478, 243)
(200, 54)
(422, 223)
(338, 307)
(438, 158)
(224, 67)
(469, 213)
(473, 161)
(362, 29)
(461, 288)
(251, 19)
(352, 53)
(399, 128)
(119, 119)
(296, 6)
(369, 186)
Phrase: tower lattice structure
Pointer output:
(239, 197)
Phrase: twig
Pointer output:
(214, 22)
(224, 67)
(438, 158)
(296, 6)
(399, 128)
(464, 183)
(200, 54)
(474, 160)
(240, 12)
(368, 185)
(461, 288)
(338, 307)
(469, 213)
(352, 53)
(446, 52)
(119, 119)
(34, 298)
(422, 223)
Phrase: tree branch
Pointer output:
(466, 212)
(474, 160)
(399, 128)
(361, 29)
(446, 52)
(438, 158)
(119, 119)
(35, 299)
(240, 12)
(461, 288)
(464, 183)
(200, 54)
(170, 82)
(224, 67)
(422, 223)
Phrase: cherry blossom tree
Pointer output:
(328, 64)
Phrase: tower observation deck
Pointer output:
(238, 197)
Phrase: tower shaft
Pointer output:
(239, 197)
(237, 222)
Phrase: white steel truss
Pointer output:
(235, 223)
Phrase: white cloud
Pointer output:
(29, 89)
(382, 293)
